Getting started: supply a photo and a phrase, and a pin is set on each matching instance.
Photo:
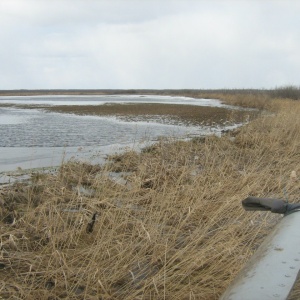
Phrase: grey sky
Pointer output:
(149, 44)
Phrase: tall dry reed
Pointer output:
(169, 226)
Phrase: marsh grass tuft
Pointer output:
(173, 228)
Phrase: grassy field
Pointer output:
(166, 223)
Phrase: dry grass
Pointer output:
(172, 228)
(167, 113)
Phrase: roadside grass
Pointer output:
(165, 223)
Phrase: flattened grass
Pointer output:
(172, 228)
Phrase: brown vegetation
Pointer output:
(281, 92)
(170, 226)
(187, 114)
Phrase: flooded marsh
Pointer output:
(40, 128)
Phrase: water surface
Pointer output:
(106, 99)
(33, 138)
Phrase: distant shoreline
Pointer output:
(171, 92)
(91, 92)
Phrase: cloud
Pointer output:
(148, 44)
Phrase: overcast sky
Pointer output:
(123, 44)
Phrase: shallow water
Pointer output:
(31, 138)
(104, 99)
(37, 128)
